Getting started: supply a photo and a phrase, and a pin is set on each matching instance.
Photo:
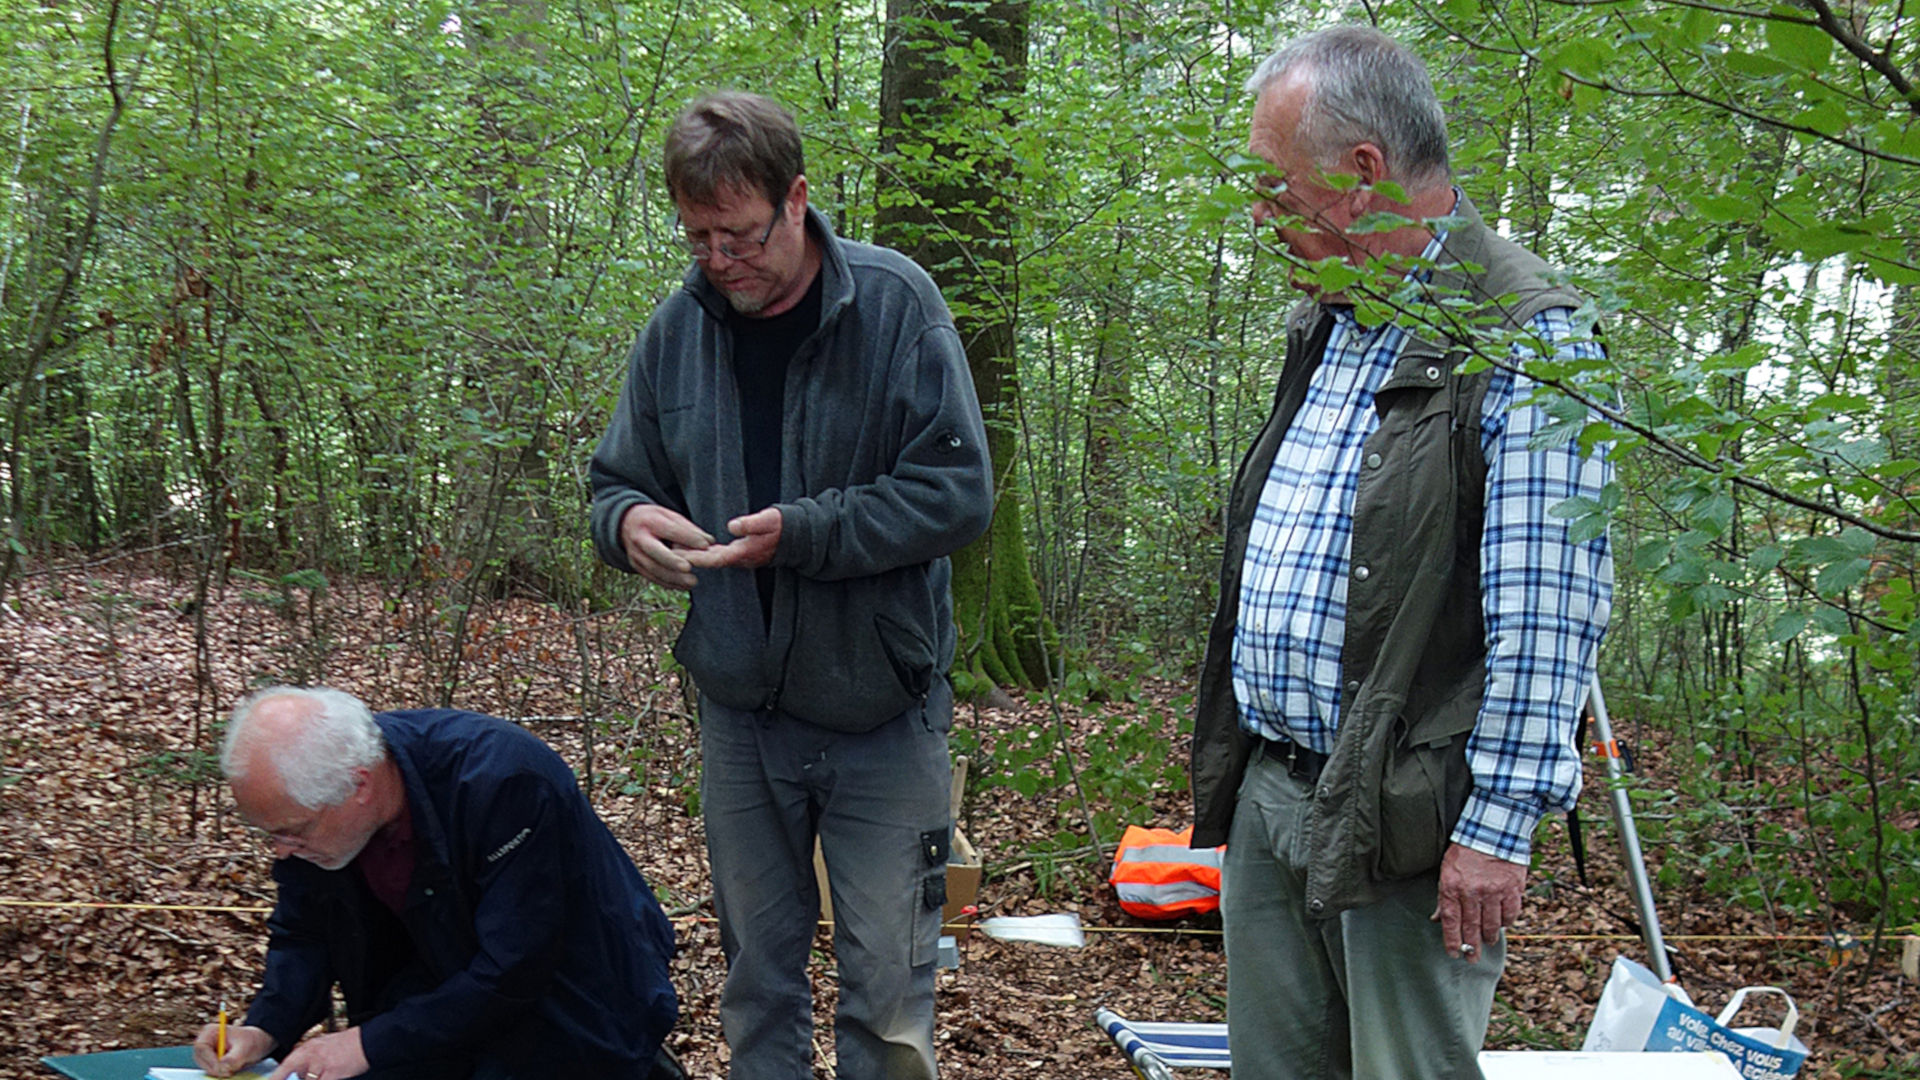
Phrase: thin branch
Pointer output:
(1878, 61)
(1451, 323)
(40, 337)
(1717, 9)
(1678, 91)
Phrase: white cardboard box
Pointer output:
(1576, 1065)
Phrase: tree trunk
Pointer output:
(281, 464)
(1106, 495)
(952, 211)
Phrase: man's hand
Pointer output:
(327, 1057)
(657, 541)
(759, 535)
(245, 1045)
(1479, 896)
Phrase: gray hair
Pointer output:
(1364, 86)
(733, 139)
(316, 760)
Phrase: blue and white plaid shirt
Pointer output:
(1545, 601)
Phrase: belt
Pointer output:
(1301, 762)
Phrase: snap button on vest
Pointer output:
(1433, 373)
(1316, 905)
(1361, 573)
(1353, 686)
(1373, 461)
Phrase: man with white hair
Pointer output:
(1405, 631)
(443, 869)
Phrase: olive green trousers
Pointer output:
(1368, 993)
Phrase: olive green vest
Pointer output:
(1413, 656)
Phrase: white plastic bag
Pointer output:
(1061, 930)
(1638, 1013)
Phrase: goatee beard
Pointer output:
(745, 305)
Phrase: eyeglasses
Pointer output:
(733, 247)
(293, 832)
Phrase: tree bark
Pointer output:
(952, 211)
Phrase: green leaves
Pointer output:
(1786, 626)
(307, 578)
(1379, 221)
(1331, 276)
(1838, 563)
(1588, 518)
(1796, 42)
(1588, 56)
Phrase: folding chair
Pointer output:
(1155, 1049)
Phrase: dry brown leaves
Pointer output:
(100, 704)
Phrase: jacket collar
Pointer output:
(1424, 361)
(836, 287)
(1465, 243)
(429, 839)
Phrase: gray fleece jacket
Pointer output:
(883, 474)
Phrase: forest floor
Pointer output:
(100, 708)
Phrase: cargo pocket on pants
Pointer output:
(930, 899)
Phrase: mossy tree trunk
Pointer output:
(946, 109)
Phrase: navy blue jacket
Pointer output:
(529, 940)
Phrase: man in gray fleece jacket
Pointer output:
(808, 398)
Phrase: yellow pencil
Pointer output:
(220, 1040)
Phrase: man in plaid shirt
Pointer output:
(1406, 632)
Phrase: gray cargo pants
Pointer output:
(878, 802)
(1370, 993)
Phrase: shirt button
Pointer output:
(429, 892)
(1373, 461)
(1361, 573)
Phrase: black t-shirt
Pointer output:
(762, 349)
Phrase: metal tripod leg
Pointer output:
(1629, 836)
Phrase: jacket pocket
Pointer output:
(908, 653)
(861, 651)
(1423, 788)
(721, 644)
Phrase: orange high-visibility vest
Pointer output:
(1159, 877)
